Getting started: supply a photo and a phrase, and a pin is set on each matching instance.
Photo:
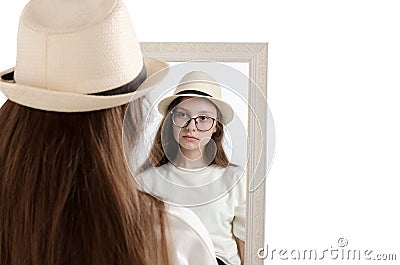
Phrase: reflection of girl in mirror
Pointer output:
(188, 165)
(66, 193)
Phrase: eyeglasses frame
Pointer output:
(195, 121)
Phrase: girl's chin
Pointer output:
(190, 146)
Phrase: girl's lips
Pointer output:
(190, 138)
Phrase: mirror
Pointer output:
(248, 64)
(244, 86)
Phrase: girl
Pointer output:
(66, 193)
(187, 164)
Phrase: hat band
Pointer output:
(9, 77)
(193, 92)
(127, 88)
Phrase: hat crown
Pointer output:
(197, 76)
(199, 81)
(65, 15)
(84, 47)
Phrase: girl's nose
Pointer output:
(192, 125)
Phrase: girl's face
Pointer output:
(190, 137)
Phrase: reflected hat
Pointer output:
(199, 84)
(76, 56)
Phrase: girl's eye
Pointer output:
(203, 118)
(182, 114)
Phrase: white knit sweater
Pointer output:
(217, 195)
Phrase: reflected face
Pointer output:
(192, 137)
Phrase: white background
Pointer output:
(334, 92)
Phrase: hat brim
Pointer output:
(225, 109)
(44, 99)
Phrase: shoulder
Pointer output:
(235, 169)
(190, 239)
(230, 169)
(237, 174)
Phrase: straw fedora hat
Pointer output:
(76, 56)
(199, 84)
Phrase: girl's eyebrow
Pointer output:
(204, 111)
(182, 109)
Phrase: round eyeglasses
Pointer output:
(182, 119)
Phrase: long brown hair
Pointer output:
(165, 147)
(67, 195)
